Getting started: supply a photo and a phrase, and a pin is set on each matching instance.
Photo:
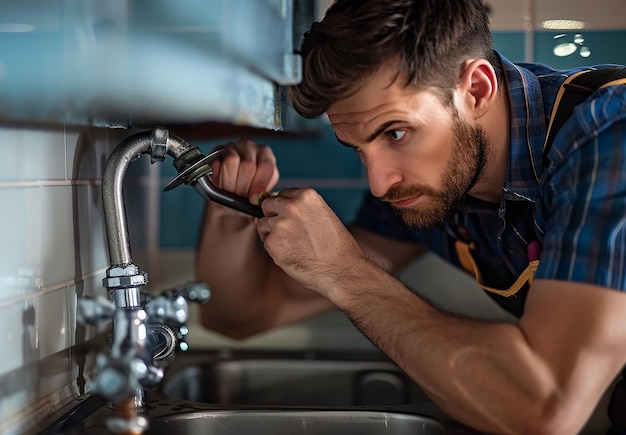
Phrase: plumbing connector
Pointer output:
(124, 276)
(115, 379)
(158, 151)
(119, 378)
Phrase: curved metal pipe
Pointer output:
(126, 152)
(122, 156)
(176, 147)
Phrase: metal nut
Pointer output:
(158, 151)
(125, 281)
(124, 276)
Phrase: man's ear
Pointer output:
(478, 87)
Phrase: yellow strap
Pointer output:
(467, 261)
(557, 101)
(559, 96)
(614, 83)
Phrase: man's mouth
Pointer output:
(406, 202)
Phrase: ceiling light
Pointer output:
(563, 24)
(565, 49)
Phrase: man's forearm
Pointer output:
(483, 373)
(249, 293)
(231, 262)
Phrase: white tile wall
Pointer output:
(12, 335)
(43, 155)
(57, 235)
(52, 322)
(52, 251)
(9, 148)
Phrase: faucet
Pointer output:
(145, 329)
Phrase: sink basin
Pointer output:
(167, 416)
(283, 422)
(291, 380)
(274, 393)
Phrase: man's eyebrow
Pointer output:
(380, 130)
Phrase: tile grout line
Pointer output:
(42, 183)
(44, 290)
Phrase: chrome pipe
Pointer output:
(148, 142)
(112, 200)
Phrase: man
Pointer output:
(451, 135)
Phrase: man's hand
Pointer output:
(306, 238)
(245, 169)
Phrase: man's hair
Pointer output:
(428, 40)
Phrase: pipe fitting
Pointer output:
(126, 276)
(158, 151)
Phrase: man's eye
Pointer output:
(396, 134)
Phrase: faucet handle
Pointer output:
(194, 291)
(170, 309)
(171, 306)
(98, 311)
(118, 378)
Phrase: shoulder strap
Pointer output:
(574, 90)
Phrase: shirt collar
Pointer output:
(528, 131)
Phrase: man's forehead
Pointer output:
(372, 107)
(383, 83)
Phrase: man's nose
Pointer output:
(382, 173)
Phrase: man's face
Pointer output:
(420, 156)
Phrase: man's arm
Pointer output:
(544, 374)
(250, 294)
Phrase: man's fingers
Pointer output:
(266, 175)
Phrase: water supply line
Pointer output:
(158, 144)
(145, 328)
(123, 376)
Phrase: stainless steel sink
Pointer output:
(168, 416)
(284, 422)
(275, 393)
(283, 379)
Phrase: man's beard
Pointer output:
(464, 170)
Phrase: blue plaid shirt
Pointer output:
(573, 204)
